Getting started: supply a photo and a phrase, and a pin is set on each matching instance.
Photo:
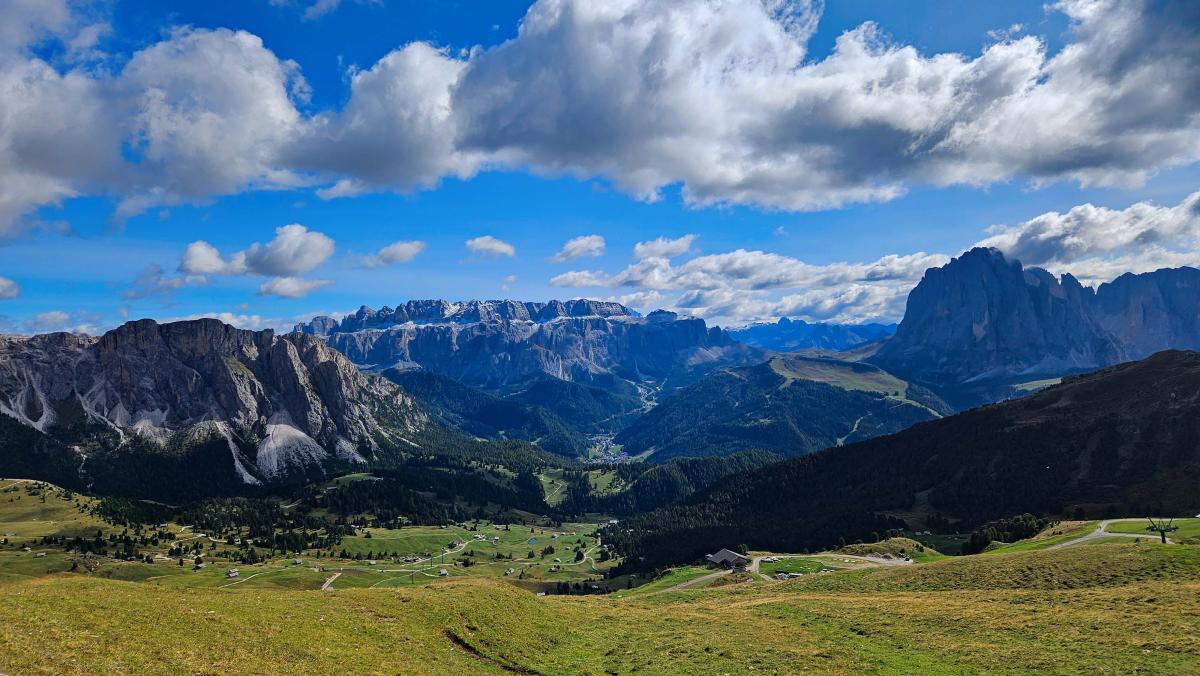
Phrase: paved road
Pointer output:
(1102, 532)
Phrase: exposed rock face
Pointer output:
(466, 312)
(981, 323)
(494, 344)
(282, 404)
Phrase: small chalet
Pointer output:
(729, 559)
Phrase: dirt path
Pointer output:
(326, 587)
(248, 577)
(696, 581)
(1102, 532)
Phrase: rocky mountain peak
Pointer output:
(282, 404)
(984, 320)
(463, 312)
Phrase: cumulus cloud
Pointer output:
(294, 251)
(9, 289)
(663, 247)
(741, 285)
(1097, 243)
(578, 247)
(292, 287)
(397, 131)
(396, 252)
(490, 247)
(153, 281)
(59, 320)
(253, 322)
(720, 98)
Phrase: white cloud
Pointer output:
(581, 278)
(397, 131)
(1097, 243)
(202, 258)
(209, 113)
(396, 252)
(720, 98)
(294, 251)
(252, 322)
(9, 289)
(578, 247)
(321, 8)
(740, 286)
(58, 320)
(663, 247)
(292, 287)
(490, 247)
(152, 281)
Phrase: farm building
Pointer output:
(729, 559)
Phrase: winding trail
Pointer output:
(1102, 532)
(696, 581)
(249, 577)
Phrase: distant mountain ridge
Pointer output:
(511, 347)
(259, 407)
(796, 334)
(462, 312)
(982, 323)
(790, 405)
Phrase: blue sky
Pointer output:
(842, 169)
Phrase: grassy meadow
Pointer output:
(1115, 608)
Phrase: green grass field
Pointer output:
(796, 564)
(895, 548)
(1057, 534)
(667, 580)
(33, 510)
(840, 375)
(1103, 609)
(1189, 529)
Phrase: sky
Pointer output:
(265, 161)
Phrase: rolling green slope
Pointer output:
(1089, 610)
(791, 405)
(1118, 442)
(484, 415)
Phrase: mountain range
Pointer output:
(596, 363)
(787, 334)
(211, 406)
(790, 405)
(231, 405)
(982, 324)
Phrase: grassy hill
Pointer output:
(1118, 442)
(1095, 609)
(789, 405)
(484, 415)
